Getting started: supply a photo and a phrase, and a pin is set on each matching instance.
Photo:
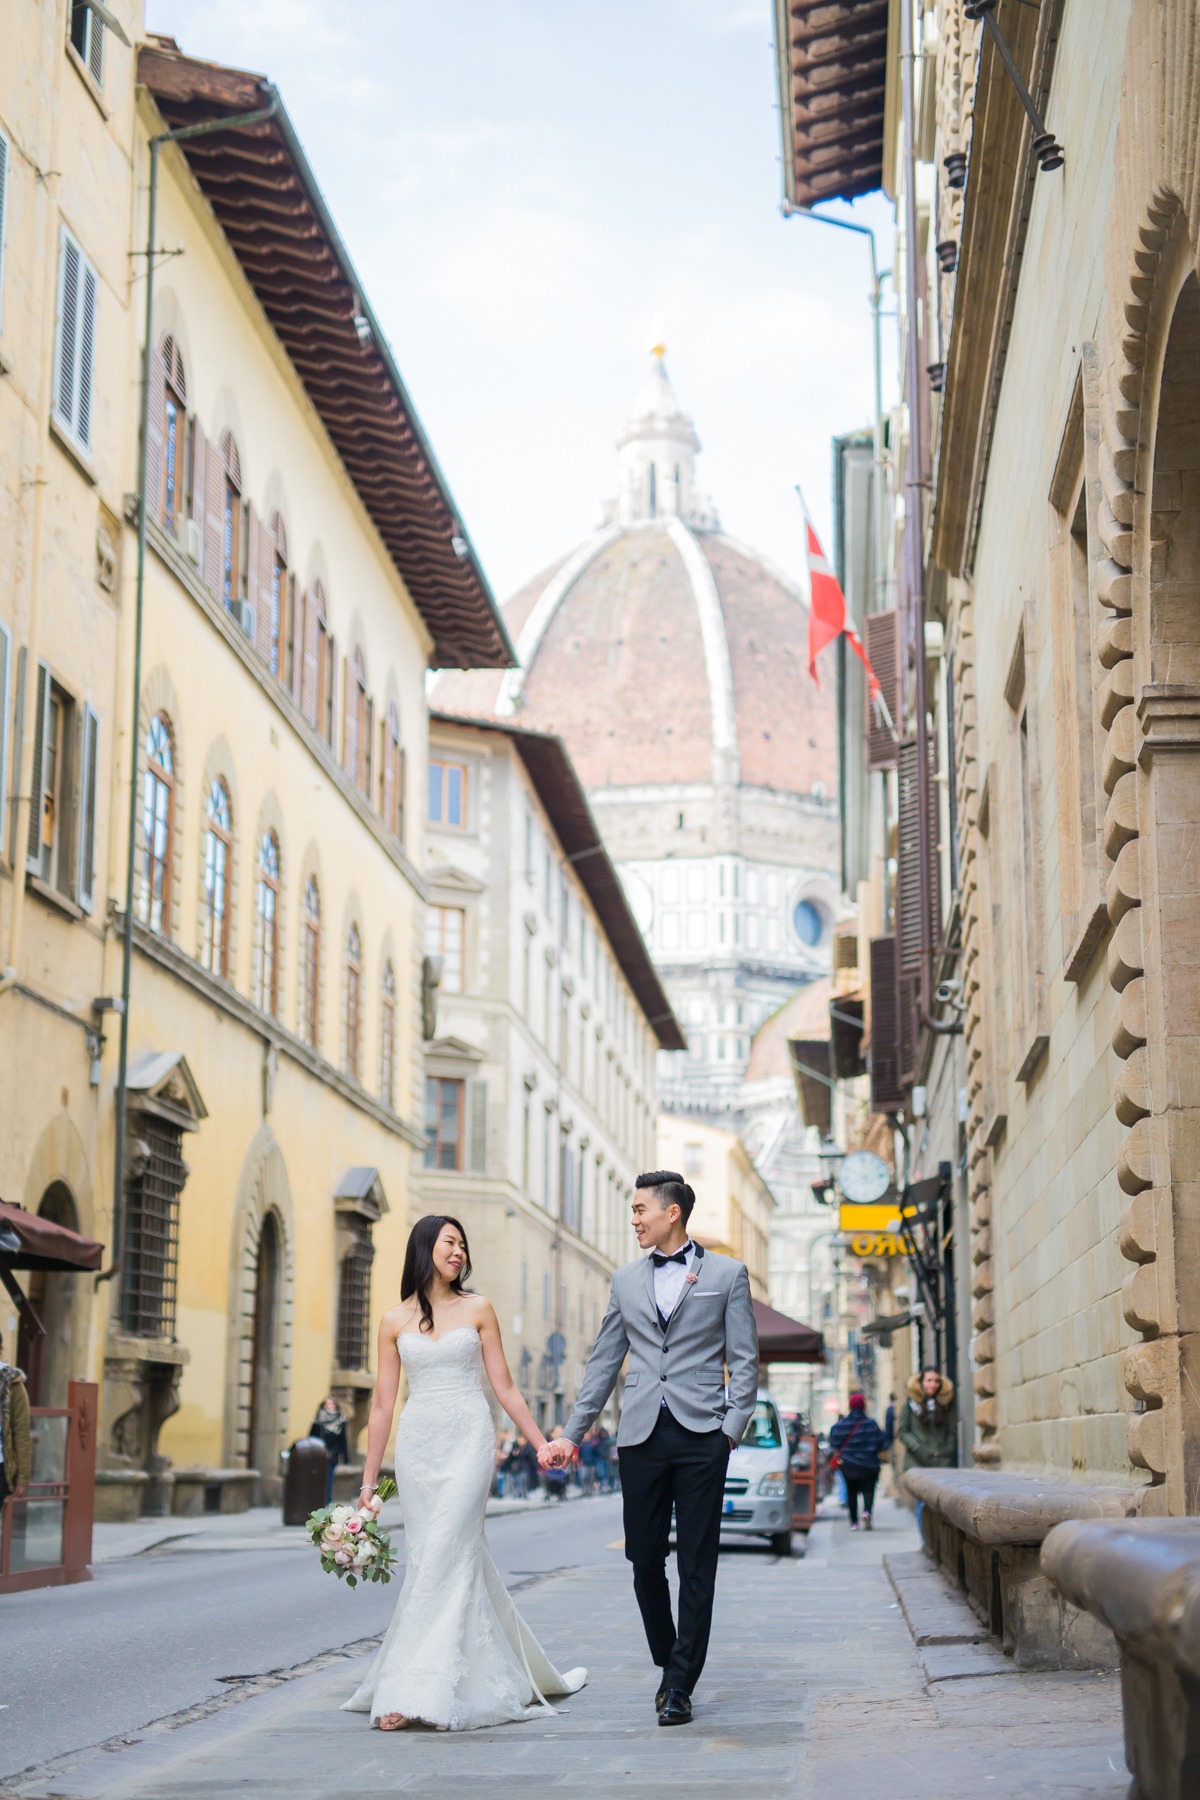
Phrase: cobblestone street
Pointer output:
(814, 1688)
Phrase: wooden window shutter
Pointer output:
(883, 652)
(156, 415)
(845, 952)
(328, 685)
(387, 778)
(259, 602)
(87, 810)
(37, 791)
(368, 750)
(96, 49)
(67, 345)
(198, 485)
(350, 720)
(887, 1088)
(295, 639)
(87, 353)
(401, 778)
(909, 991)
(261, 572)
(477, 1122)
(214, 521)
(310, 679)
(909, 932)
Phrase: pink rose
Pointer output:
(343, 1558)
(354, 1525)
(690, 1278)
(333, 1533)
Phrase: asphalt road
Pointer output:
(154, 1634)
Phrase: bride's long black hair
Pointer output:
(418, 1263)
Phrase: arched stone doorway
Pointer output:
(258, 1387)
(49, 1360)
(263, 1431)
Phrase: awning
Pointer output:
(28, 1241)
(784, 1340)
(831, 60)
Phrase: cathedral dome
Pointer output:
(673, 662)
(661, 649)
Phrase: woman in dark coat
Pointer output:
(330, 1426)
(857, 1440)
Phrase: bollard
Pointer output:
(304, 1481)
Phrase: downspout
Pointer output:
(914, 521)
(236, 122)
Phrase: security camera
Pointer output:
(949, 993)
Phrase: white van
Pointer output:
(758, 1482)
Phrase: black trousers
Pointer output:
(859, 1487)
(685, 1469)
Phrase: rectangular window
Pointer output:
(85, 859)
(354, 1301)
(87, 37)
(150, 1263)
(53, 850)
(1084, 864)
(444, 1120)
(448, 794)
(445, 932)
(74, 341)
(1024, 858)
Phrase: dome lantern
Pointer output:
(657, 458)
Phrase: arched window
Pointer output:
(218, 845)
(353, 1002)
(356, 724)
(277, 598)
(173, 429)
(391, 786)
(387, 1039)
(310, 965)
(267, 901)
(231, 521)
(158, 806)
(317, 671)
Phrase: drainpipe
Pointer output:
(186, 132)
(914, 522)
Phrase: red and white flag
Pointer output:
(828, 614)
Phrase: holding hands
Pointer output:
(559, 1453)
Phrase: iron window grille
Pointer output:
(151, 1260)
(354, 1301)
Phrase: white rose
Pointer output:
(364, 1552)
(339, 1514)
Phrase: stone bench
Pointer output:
(986, 1528)
(196, 1491)
(1140, 1580)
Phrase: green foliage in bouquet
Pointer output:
(351, 1543)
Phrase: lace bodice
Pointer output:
(450, 1364)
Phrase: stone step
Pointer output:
(933, 1611)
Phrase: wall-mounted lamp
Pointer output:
(947, 255)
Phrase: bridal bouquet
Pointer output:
(351, 1544)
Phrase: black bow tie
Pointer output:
(660, 1261)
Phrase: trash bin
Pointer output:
(304, 1481)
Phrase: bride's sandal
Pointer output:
(392, 1722)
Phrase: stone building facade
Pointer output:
(540, 1078)
(274, 1078)
(1059, 443)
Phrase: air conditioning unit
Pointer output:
(243, 614)
(192, 541)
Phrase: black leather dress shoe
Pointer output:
(661, 1695)
(676, 1708)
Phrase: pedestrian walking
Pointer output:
(330, 1426)
(16, 1448)
(928, 1427)
(856, 1442)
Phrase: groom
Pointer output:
(682, 1315)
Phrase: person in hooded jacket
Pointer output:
(927, 1426)
(857, 1440)
(16, 1457)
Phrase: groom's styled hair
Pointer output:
(672, 1190)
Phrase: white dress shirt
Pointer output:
(670, 1281)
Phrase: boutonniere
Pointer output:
(689, 1277)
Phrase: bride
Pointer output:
(457, 1653)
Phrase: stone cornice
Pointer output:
(1168, 718)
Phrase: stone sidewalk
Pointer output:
(814, 1691)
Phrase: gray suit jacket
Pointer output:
(711, 1329)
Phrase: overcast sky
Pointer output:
(532, 190)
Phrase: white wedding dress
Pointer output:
(457, 1653)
